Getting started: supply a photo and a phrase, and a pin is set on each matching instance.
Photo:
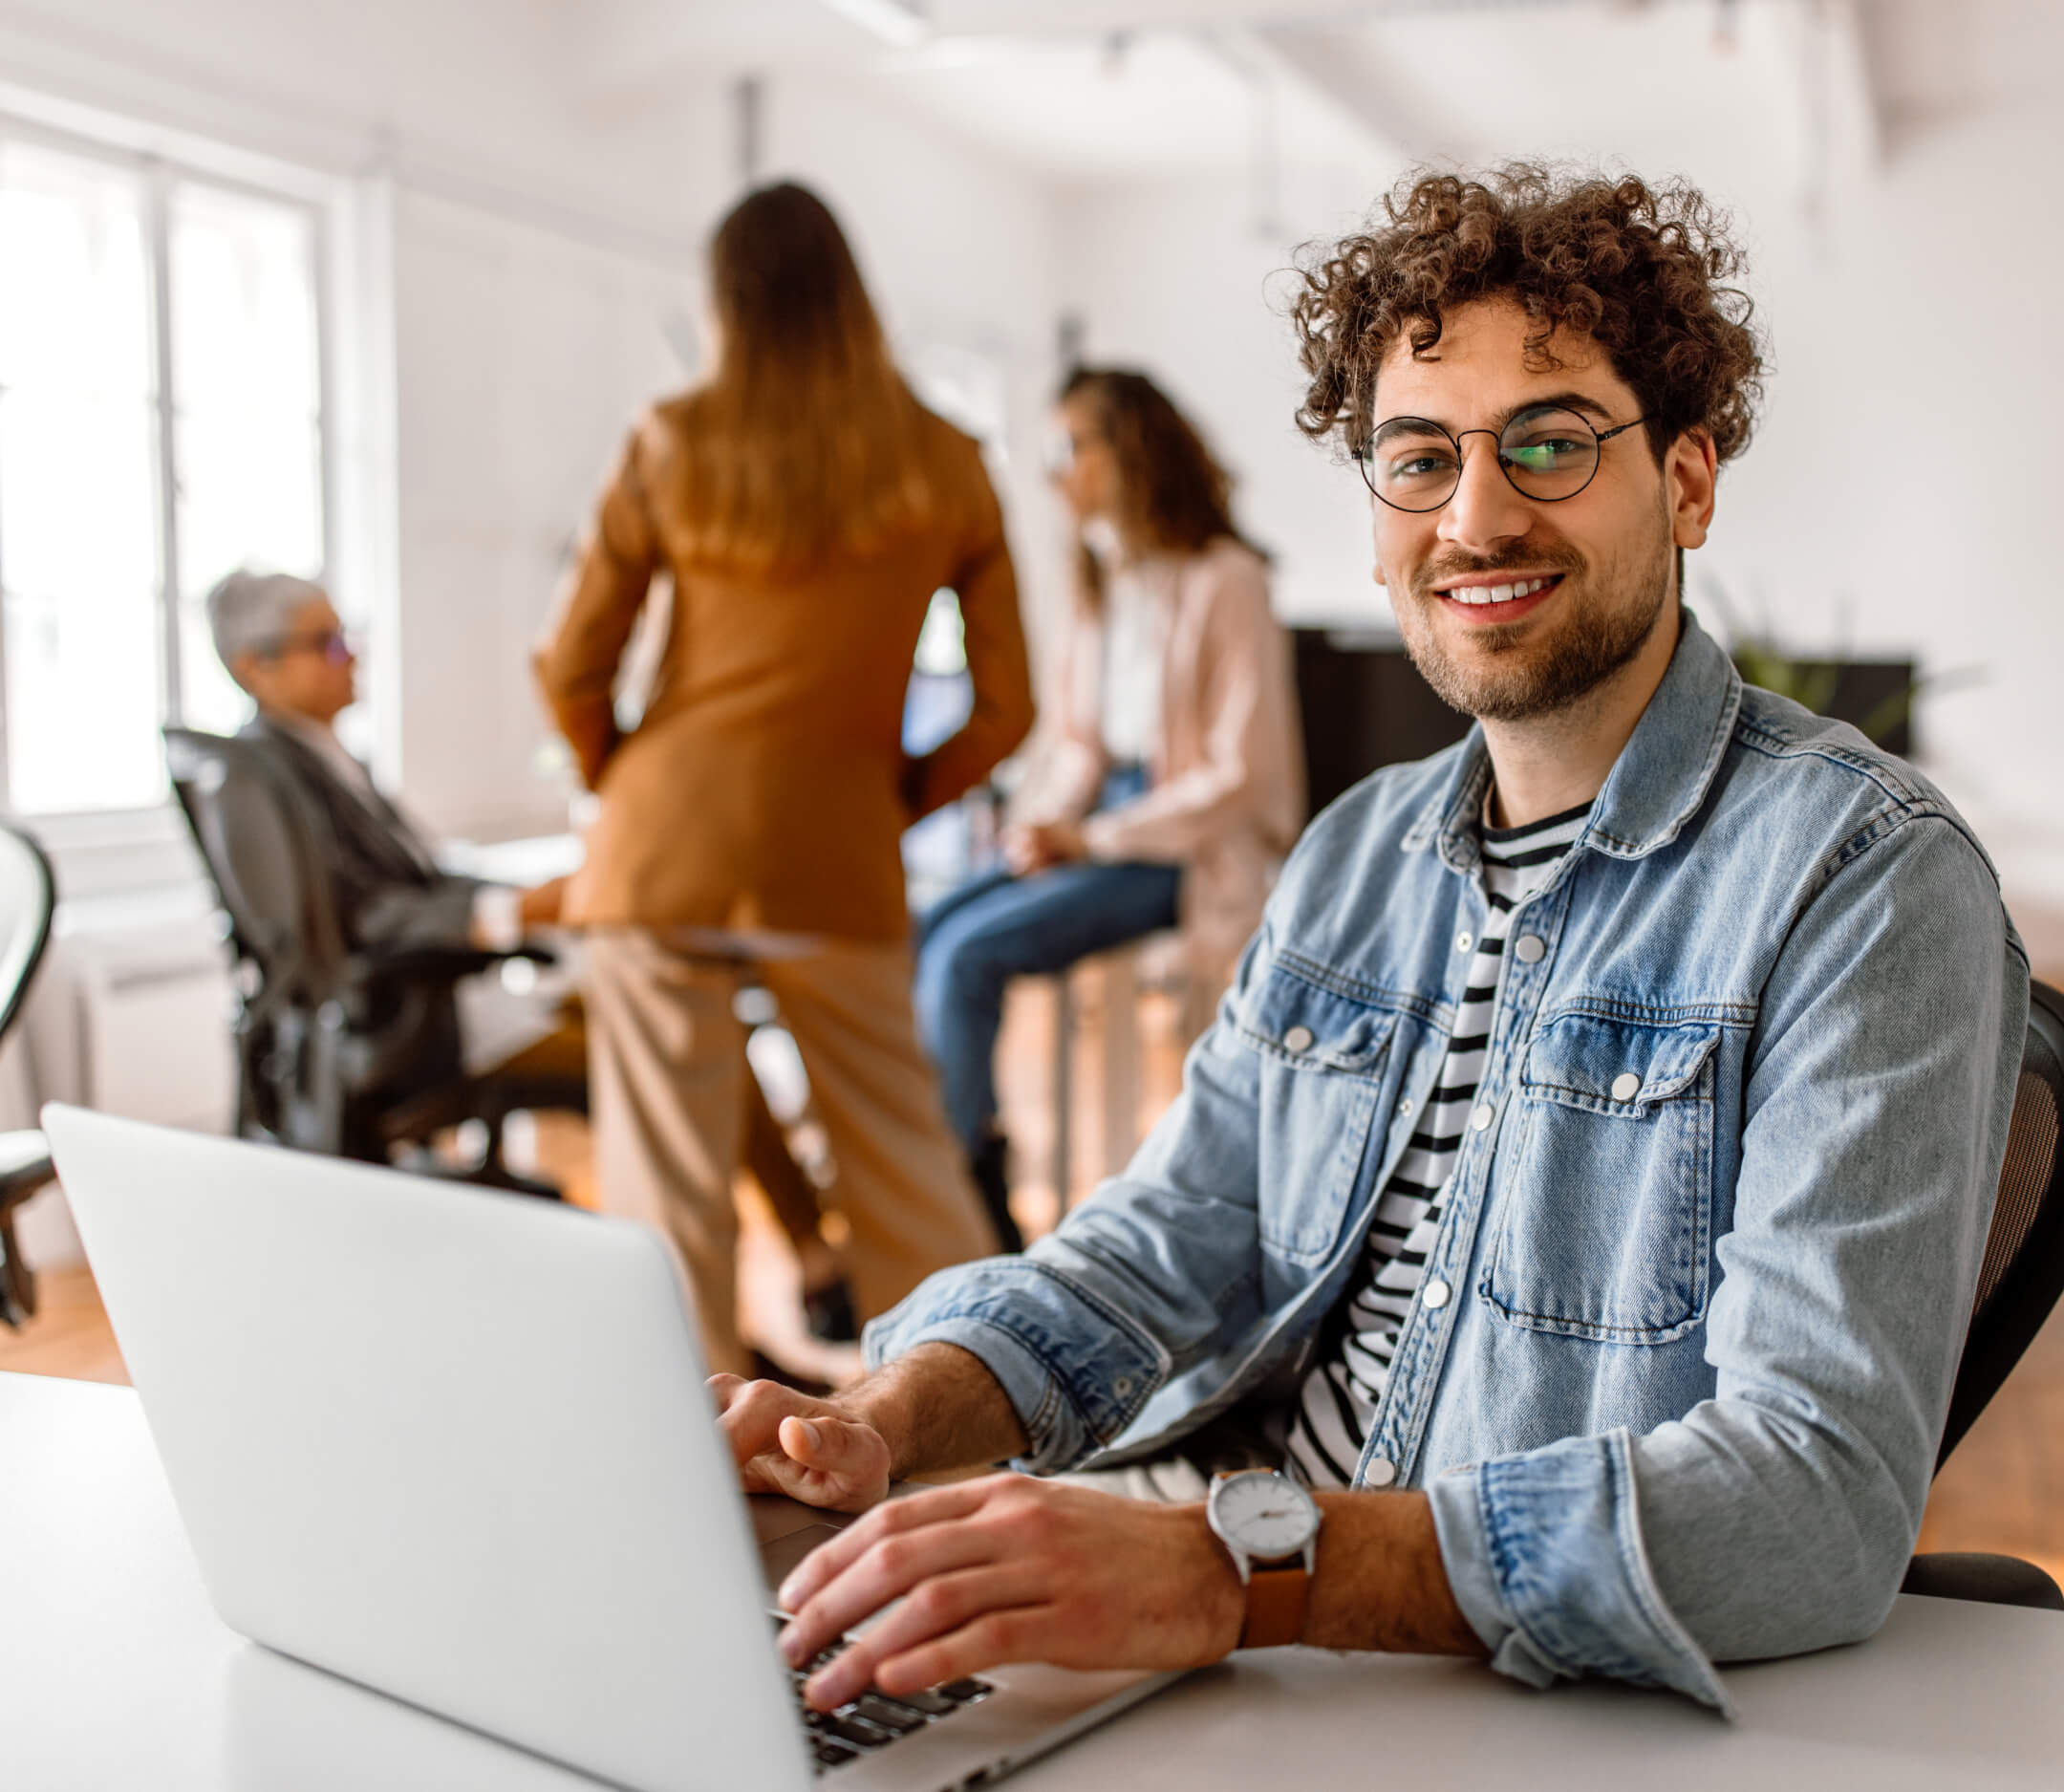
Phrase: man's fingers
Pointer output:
(943, 1608)
(777, 1471)
(929, 1566)
(835, 1557)
(749, 1413)
(1012, 1633)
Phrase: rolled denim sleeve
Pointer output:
(1157, 1270)
(1544, 1554)
(1778, 1516)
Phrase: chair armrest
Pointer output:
(419, 963)
(25, 1167)
(1990, 1579)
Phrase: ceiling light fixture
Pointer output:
(902, 24)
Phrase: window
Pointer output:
(161, 421)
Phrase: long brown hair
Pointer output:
(1173, 497)
(805, 440)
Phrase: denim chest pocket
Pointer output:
(1605, 1184)
(1322, 1060)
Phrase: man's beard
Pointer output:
(1526, 679)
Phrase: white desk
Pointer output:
(115, 1674)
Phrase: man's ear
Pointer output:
(1690, 472)
(242, 667)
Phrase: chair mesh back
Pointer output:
(2022, 1273)
(2031, 1145)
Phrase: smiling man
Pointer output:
(1568, 1227)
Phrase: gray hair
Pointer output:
(249, 612)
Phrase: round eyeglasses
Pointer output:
(1546, 452)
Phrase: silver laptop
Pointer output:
(455, 1445)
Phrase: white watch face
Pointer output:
(1266, 1515)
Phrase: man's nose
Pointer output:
(1484, 510)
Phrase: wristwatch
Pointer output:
(1269, 1526)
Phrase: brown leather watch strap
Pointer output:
(1276, 1599)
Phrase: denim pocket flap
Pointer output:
(1615, 1066)
(1305, 1023)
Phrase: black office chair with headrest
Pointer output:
(341, 1050)
(27, 898)
(2019, 1283)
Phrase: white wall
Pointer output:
(521, 356)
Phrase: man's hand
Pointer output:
(1040, 846)
(785, 1442)
(1010, 1568)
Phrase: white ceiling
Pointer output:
(1089, 88)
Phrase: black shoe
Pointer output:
(989, 1167)
(828, 1312)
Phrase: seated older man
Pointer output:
(280, 639)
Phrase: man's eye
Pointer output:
(1420, 465)
(1542, 457)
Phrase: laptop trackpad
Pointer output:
(779, 1559)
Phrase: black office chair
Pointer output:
(28, 897)
(2019, 1283)
(351, 1052)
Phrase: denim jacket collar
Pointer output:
(1656, 784)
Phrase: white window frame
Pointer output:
(124, 846)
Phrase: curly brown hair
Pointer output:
(1640, 269)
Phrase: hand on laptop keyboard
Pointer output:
(785, 1442)
(1010, 1568)
(873, 1719)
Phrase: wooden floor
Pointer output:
(2002, 1491)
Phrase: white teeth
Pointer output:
(1495, 593)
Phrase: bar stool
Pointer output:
(1152, 965)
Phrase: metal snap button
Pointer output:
(1381, 1473)
(1464, 939)
(1530, 949)
(1404, 1107)
(1483, 1116)
(1626, 1085)
(1298, 1039)
(1435, 1293)
(1122, 1387)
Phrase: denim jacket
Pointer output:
(1680, 1357)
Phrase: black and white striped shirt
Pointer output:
(1337, 1403)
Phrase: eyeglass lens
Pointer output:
(1546, 452)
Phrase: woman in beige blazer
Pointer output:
(1174, 784)
(805, 508)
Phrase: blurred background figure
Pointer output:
(1175, 784)
(806, 508)
(279, 637)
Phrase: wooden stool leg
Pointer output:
(1121, 1058)
(1064, 1092)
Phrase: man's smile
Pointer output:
(1488, 597)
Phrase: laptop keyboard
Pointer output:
(874, 1719)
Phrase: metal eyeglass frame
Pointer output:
(1599, 436)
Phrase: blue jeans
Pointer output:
(971, 943)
